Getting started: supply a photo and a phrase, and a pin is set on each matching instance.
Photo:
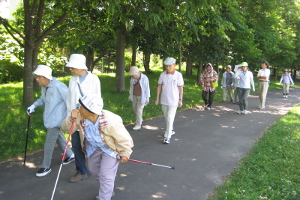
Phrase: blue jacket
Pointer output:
(54, 100)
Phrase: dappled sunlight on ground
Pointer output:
(158, 195)
(151, 127)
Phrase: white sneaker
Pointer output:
(246, 112)
(137, 127)
(208, 108)
(173, 133)
(286, 96)
(166, 141)
(239, 112)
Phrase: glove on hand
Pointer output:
(30, 109)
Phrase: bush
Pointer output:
(10, 72)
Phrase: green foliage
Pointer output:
(271, 169)
(10, 71)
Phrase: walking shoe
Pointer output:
(43, 172)
(286, 96)
(68, 160)
(166, 141)
(239, 112)
(246, 112)
(78, 177)
(208, 108)
(173, 133)
(137, 127)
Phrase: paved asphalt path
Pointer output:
(206, 147)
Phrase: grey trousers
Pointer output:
(228, 89)
(138, 109)
(104, 168)
(262, 91)
(243, 98)
(286, 87)
(53, 135)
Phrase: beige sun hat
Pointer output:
(134, 70)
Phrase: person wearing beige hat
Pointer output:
(105, 140)
(139, 94)
(170, 87)
(227, 83)
(82, 82)
(53, 99)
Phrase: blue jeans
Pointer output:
(79, 154)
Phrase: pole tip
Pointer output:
(173, 167)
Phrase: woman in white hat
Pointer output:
(53, 99)
(139, 94)
(245, 78)
(81, 83)
(286, 80)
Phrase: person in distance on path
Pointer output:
(227, 83)
(286, 80)
(206, 79)
(81, 83)
(104, 139)
(245, 78)
(263, 84)
(170, 87)
(53, 99)
(139, 94)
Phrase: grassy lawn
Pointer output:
(271, 169)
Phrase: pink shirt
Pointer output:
(170, 88)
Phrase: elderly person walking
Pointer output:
(104, 139)
(206, 79)
(170, 86)
(286, 80)
(53, 99)
(227, 83)
(245, 78)
(263, 84)
(139, 94)
(82, 82)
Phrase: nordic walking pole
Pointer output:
(148, 163)
(28, 128)
(63, 157)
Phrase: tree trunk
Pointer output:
(199, 72)
(120, 59)
(90, 59)
(146, 60)
(133, 57)
(189, 70)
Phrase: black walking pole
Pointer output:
(28, 128)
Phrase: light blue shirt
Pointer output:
(245, 80)
(93, 139)
(54, 100)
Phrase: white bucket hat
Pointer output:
(43, 70)
(92, 102)
(170, 61)
(77, 61)
(134, 70)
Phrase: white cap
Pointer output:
(43, 70)
(134, 70)
(170, 61)
(92, 102)
(77, 61)
(229, 66)
(244, 64)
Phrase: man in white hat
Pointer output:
(170, 86)
(227, 83)
(53, 99)
(104, 138)
(81, 83)
(139, 94)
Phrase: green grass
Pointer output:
(14, 119)
(271, 169)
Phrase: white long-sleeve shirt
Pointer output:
(144, 82)
(245, 80)
(91, 84)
